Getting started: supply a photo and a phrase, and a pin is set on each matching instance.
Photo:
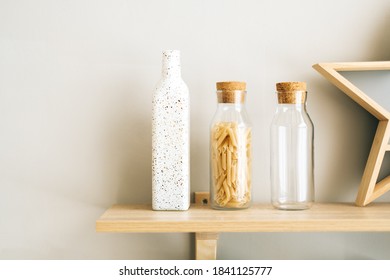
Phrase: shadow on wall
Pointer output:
(378, 47)
(343, 137)
(128, 146)
(135, 185)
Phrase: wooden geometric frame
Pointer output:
(369, 189)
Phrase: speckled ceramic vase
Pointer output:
(170, 138)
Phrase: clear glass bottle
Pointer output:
(292, 162)
(230, 149)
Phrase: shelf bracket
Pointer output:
(205, 242)
(206, 245)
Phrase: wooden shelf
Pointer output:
(208, 223)
(259, 218)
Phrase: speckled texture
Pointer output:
(170, 138)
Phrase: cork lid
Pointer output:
(231, 85)
(231, 92)
(291, 92)
(291, 86)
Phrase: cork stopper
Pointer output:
(231, 92)
(291, 86)
(291, 92)
(231, 86)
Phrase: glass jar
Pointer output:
(230, 149)
(292, 177)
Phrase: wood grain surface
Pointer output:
(336, 217)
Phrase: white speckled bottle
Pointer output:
(170, 138)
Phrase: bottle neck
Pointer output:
(232, 112)
(231, 96)
(292, 101)
(231, 106)
(292, 97)
(284, 107)
(171, 64)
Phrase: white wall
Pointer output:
(76, 83)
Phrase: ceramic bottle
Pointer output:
(170, 138)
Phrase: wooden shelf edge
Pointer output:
(329, 217)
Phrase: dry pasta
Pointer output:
(231, 165)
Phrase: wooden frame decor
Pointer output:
(369, 188)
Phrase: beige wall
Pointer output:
(76, 83)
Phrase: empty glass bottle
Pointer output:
(292, 175)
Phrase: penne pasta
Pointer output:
(222, 137)
(214, 164)
(232, 137)
(224, 157)
(234, 171)
(231, 165)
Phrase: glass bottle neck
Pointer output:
(231, 106)
(284, 107)
(171, 64)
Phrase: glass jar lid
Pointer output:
(231, 92)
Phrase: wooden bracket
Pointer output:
(202, 198)
(206, 245)
(205, 242)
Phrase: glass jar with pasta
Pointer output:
(230, 149)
